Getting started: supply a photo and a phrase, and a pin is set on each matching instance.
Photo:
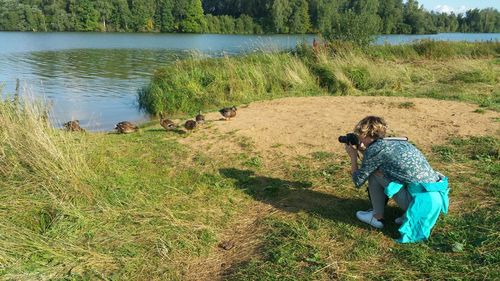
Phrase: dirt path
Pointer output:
(299, 126)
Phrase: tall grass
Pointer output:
(33, 153)
(42, 180)
(425, 68)
(434, 50)
(199, 84)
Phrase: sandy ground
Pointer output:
(299, 126)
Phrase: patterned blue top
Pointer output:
(399, 161)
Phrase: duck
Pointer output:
(126, 127)
(228, 112)
(73, 126)
(200, 118)
(190, 125)
(167, 124)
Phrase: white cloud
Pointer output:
(443, 9)
(461, 9)
(448, 9)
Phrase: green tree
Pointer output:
(213, 25)
(121, 17)
(333, 18)
(245, 25)
(281, 11)
(142, 15)
(391, 14)
(227, 24)
(164, 17)
(11, 17)
(488, 20)
(299, 21)
(357, 28)
(189, 16)
(325, 15)
(414, 17)
(105, 9)
(84, 16)
(55, 15)
(452, 23)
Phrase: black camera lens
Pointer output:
(350, 138)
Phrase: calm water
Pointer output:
(94, 77)
(471, 37)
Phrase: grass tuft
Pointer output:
(196, 84)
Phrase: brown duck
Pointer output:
(167, 124)
(73, 126)
(190, 125)
(200, 118)
(228, 112)
(126, 127)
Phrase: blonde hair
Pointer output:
(371, 126)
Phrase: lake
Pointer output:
(94, 77)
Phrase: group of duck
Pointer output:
(125, 127)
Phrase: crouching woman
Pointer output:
(397, 169)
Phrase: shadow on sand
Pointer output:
(175, 131)
(295, 196)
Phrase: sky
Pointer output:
(458, 6)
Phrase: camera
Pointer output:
(350, 138)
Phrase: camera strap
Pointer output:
(396, 138)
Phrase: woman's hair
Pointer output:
(371, 126)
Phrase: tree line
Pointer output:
(333, 18)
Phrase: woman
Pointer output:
(396, 168)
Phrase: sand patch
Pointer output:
(298, 126)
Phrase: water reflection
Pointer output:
(96, 86)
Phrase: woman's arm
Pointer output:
(353, 154)
(372, 160)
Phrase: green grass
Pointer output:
(435, 50)
(134, 202)
(146, 207)
(475, 76)
(406, 104)
(195, 84)
(320, 239)
(444, 70)
(287, 253)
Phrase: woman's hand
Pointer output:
(351, 151)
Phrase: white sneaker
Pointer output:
(367, 217)
(400, 220)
